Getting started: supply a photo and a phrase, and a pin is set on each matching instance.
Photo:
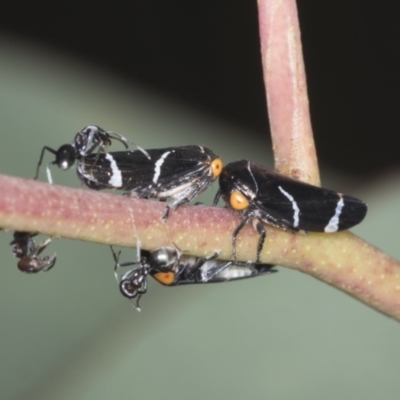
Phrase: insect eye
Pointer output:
(216, 168)
(238, 201)
(166, 278)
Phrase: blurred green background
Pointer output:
(70, 334)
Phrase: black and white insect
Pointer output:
(259, 195)
(171, 268)
(180, 173)
(86, 141)
(24, 248)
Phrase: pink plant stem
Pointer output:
(340, 259)
(285, 84)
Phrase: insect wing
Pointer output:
(181, 165)
(134, 170)
(115, 170)
(184, 271)
(292, 203)
(238, 270)
(304, 206)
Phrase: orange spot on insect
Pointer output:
(166, 278)
(216, 168)
(238, 201)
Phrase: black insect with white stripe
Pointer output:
(181, 173)
(86, 141)
(24, 248)
(260, 195)
(171, 268)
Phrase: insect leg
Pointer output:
(236, 232)
(216, 198)
(118, 137)
(219, 267)
(41, 159)
(259, 227)
(198, 264)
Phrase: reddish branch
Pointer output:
(286, 89)
(340, 259)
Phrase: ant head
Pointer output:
(66, 156)
(132, 284)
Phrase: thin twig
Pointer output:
(286, 88)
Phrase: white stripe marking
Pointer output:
(158, 165)
(296, 215)
(116, 177)
(333, 224)
(251, 174)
